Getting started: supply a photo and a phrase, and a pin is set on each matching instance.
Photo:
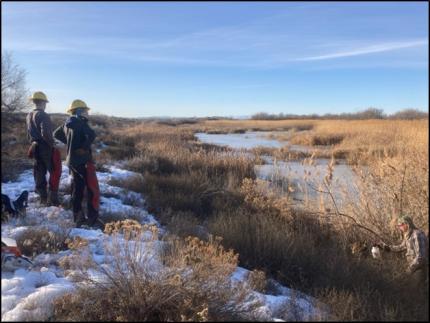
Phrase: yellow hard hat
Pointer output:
(77, 104)
(39, 96)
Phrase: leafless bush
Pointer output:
(410, 114)
(14, 94)
(193, 284)
(34, 241)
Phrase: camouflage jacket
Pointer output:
(416, 246)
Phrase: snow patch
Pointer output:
(29, 294)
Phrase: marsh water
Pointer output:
(247, 140)
(302, 179)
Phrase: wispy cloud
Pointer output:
(185, 51)
(33, 46)
(276, 40)
(384, 47)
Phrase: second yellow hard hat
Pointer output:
(77, 104)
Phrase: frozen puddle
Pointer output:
(27, 295)
(305, 179)
(248, 140)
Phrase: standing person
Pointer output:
(46, 157)
(78, 136)
(415, 243)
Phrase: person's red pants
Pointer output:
(85, 176)
(93, 185)
(55, 173)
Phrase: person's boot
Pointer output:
(43, 196)
(99, 224)
(53, 198)
(43, 200)
(96, 223)
(79, 218)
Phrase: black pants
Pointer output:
(79, 183)
(42, 165)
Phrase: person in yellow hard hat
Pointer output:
(78, 136)
(39, 133)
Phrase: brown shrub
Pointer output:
(34, 241)
(327, 140)
(194, 286)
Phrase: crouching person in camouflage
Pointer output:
(415, 243)
(78, 136)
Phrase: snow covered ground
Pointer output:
(27, 294)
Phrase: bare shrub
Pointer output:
(176, 122)
(77, 264)
(130, 229)
(14, 94)
(257, 280)
(193, 285)
(14, 145)
(410, 114)
(328, 140)
(34, 241)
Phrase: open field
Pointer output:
(351, 137)
(196, 189)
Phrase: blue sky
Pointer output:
(139, 59)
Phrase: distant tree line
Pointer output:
(370, 113)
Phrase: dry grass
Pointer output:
(133, 183)
(193, 284)
(35, 241)
(180, 175)
(194, 187)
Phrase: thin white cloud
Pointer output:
(385, 47)
(248, 45)
(42, 46)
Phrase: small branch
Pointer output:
(343, 214)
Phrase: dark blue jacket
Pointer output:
(78, 136)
